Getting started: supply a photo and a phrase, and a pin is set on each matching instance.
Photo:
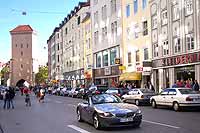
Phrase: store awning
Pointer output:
(130, 76)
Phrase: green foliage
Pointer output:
(42, 75)
(4, 71)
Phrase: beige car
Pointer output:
(176, 98)
(138, 96)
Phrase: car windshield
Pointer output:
(187, 91)
(112, 91)
(105, 98)
(77, 89)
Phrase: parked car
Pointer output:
(176, 98)
(117, 91)
(73, 92)
(96, 89)
(82, 93)
(105, 110)
(138, 96)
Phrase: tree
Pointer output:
(42, 75)
(4, 74)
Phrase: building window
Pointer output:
(21, 66)
(154, 22)
(98, 59)
(21, 53)
(129, 58)
(135, 3)
(88, 43)
(164, 17)
(177, 44)
(165, 47)
(146, 54)
(137, 53)
(127, 10)
(95, 2)
(58, 35)
(58, 58)
(58, 46)
(27, 45)
(113, 55)
(79, 20)
(104, 33)
(113, 6)
(136, 32)
(188, 7)
(144, 4)
(190, 41)
(175, 12)
(21, 45)
(145, 28)
(155, 50)
(88, 61)
(96, 17)
(16, 45)
(66, 30)
(96, 37)
(105, 58)
(104, 12)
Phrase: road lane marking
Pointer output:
(161, 124)
(78, 129)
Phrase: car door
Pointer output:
(87, 111)
(160, 99)
(170, 97)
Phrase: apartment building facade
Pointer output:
(175, 41)
(136, 42)
(106, 40)
(73, 45)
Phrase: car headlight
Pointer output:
(139, 111)
(107, 114)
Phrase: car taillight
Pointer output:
(97, 92)
(189, 99)
(142, 96)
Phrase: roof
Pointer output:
(22, 28)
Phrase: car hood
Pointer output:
(116, 108)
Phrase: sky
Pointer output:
(42, 15)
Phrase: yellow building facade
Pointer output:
(88, 56)
(136, 44)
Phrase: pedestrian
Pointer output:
(187, 85)
(11, 97)
(6, 99)
(22, 91)
(150, 86)
(175, 85)
(195, 86)
(42, 94)
(27, 96)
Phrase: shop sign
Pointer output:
(117, 61)
(139, 69)
(122, 67)
(182, 59)
(107, 71)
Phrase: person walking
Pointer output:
(175, 85)
(188, 85)
(195, 86)
(11, 97)
(42, 94)
(27, 96)
(6, 96)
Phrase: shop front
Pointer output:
(107, 76)
(167, 71)
(74, 78)
(131, 77)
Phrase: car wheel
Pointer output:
(96, 122)
(137, 125)
(137, 102)
(176, 106)
(79, 118)
(154, 104)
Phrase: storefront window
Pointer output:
(98, 59)
(113, 55)
(105, 58)
(185, 73)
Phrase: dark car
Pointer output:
(117, 91)
(82, 93)
(96, 89)
(106, 110)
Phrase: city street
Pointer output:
(57, 115)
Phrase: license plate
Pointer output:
(126, 119)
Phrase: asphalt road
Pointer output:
(57, 115)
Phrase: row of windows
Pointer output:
(135, 7)
(22, 45)
(176, 45)
(137, 56)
